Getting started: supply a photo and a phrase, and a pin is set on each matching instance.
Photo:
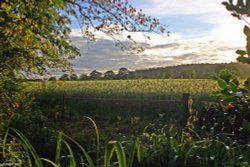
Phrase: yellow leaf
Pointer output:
(27, 40)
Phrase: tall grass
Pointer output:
(156, 148)
(165, 148)
(64, 144)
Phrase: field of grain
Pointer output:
(131, 96)
(109, 100)
(168, 89)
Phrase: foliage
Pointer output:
(191, 71)
(233, 69)
(240, 9)
(109, 75)
(83, 77)
(9, 97)
(17, 150)
(73, 77)
(244, 56)
(34, 36)
(163, 147)
(232, 116)
(191, 74)
(52, 79)
(33, 39)
(94, 75)
(64, 77)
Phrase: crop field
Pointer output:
(117, 106)
(116, 100)
(120, 96)
(168, 89)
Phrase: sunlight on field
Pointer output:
(137, 89)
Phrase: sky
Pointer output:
(201, 31)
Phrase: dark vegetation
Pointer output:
(190, 71)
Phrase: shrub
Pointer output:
(230, 117)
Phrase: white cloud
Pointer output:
(210, 12)
(180, 7)
(211, 46)
(177, 49)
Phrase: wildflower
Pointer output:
(239, 94)
(17, 105)
(230, 105)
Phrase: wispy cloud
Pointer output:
(180, 7)
(103, 55)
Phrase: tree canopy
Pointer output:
(35, 34)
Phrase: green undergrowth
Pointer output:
(154, 146)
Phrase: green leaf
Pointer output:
(109, 151)
(226, 75)
(243, 59)
(72, 160)
(246, 125)
(58, 148)
(86, 155)
(247, 83)
(120, 153)
(222, 84)
(230, 99)
(241, 52)
(135, 146)
(240, 3)
(233, 87)
(235, 81)
(227, 92)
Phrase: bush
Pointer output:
(230, 117)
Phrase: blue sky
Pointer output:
(202, 31)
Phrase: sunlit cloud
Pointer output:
(219, 36)
(180, 7)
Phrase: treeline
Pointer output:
(190, 71)
(122, 74)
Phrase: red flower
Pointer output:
(229, 105)
(17, 105)
(119, 5)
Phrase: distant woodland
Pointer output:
(189, 71)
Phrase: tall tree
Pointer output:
(64, 77)
(84, 77)
(123, 73)
(94, 75)
(109, 75)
